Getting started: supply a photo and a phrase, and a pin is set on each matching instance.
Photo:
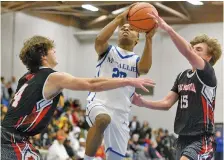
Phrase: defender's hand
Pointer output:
(161, 23)
(141, 83)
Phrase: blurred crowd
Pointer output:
(146, 143)
(65, 136)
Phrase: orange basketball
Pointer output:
(139, 19)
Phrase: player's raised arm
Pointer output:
(145, 62)
(182, 45)
(101, 42)
(165, 104)
(58, 81)
(140, 21)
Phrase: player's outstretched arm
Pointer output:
(101, 41)
(58, 81)
(145, 62)
(165, 104)
(182, 45)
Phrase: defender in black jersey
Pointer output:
(37, 96)
(195, 90)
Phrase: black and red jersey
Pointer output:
(197, 92)
(29, 112)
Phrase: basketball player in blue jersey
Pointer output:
(107, 113)
(195, 91)
(37, 96)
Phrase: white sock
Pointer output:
(88, 158)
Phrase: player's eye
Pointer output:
(199, 49)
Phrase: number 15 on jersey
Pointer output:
(184, 101)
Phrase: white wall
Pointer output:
(72, 60)
(7, 44)
(27, 26)
(79, 59)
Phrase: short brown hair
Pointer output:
(33, 50)
(214, 47)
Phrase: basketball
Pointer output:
(139, 19)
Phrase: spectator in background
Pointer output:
(69, 103)
(219, 146)
(2, 86)
(4, 92)
(76, 104)
(69, 149)
(60, 106)
(145, 132)
(63, 120)
(37, 141)
(75, 109)
(75, 117)
(14, 84)
(160, 133)
(134, 126)
(152, 153)
(82, 121)
(54, 126)
(57, 150)
(167, 140)
(134, 146)
(61, 102)
(74, 136)
(100, 153)
(161, 148)
(47, 137)
(9, 89)
(3, 111)
(82, 148)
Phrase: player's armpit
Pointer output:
(195, 60)
(100, 46)
(207, 75)
(55, 83)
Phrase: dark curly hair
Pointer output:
(33, 50)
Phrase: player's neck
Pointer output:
(125, 47)
(46, 65)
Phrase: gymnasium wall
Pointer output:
(18, 27)
(6, 44)
(79, 59)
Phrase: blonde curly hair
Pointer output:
(214, 47)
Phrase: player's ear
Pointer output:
(43, 57)
(136, 41)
